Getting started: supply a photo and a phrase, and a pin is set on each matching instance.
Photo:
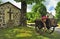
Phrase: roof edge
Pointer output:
(10, 3)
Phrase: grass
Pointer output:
(25, 33)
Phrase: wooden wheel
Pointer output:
(51, 30)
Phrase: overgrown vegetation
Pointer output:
(25, 33)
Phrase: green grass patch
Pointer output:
(25, 33)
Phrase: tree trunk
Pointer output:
(23, 21)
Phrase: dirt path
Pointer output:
(57, 29)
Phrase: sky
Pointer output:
(50, 5)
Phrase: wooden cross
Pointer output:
(10, 13)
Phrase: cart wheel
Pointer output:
(51, 30)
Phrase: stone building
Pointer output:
(9, 15)
(50, 15)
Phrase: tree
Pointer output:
(40, 8)
(24, 3)
(31, 16)
(58, 11)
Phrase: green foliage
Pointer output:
(30, 1)
(31, 16)
(40, 8)
(58, 11)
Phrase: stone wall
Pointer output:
(4, 15)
